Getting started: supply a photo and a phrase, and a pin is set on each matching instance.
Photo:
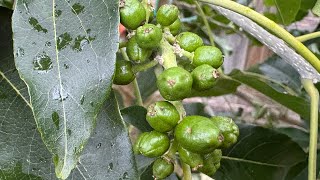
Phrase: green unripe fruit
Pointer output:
(162, 168)
(174, 83)
(162, 116)
(211, 162)
(228, 128)
(135, 53)
(153, 144)
(189, 41)
(132, 14)
(198, 134)
(204, 77)
(123, 73)
(167, 14)
(136, 144)
(194, 160)
(148, 36)
(175, 27)
(208, 55)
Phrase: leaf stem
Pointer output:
(186, 171)
(137, 92)
(314, 96)
(205, 21)
(143, 67)
(308, 37)
(271, 26)
(135, 82)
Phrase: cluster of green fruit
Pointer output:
(198, 140)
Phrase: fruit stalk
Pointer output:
(205, 21)
(314, 96)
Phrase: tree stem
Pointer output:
(271, 26)
(310, 36)
(137, 92)
(314, 96)
(205, 21)
(186, 171)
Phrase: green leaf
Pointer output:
(287, 10)
(7, 3)
(147, 83)
(65, 52)
(222, 87)
(276, 92)
(108, 153)
(136, 116)
(260, 154)
(316, 8)
(277, 69)
(297, 135)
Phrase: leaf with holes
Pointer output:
(65, 53)
(108, 153)
(260, 154)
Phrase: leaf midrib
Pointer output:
(15, 88)
(60, 83)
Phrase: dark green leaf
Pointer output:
(65, 52)
(277, 69)
(299, 136)
(23, 155)
(260, 154)
(7, 3)
(136, 116)
(296, 174)
(222, 87)
(287, 10)
(262, 84)
(147, 83)
(195, 109)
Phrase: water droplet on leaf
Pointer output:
(63, 41)
(98, 146)
(82, 99)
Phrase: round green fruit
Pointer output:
(123, 73)
(208, 55)
(162, 168)
(198, 134)
(162, 116)
(132, 14)
(136, 144)
(174, 83)
(153, 144)
(204, 77)
(148, 36)
(228, 128)
(167, 14)
(189, 41)
(175, 27)
(211, 162)
(135, 53)
(194, 160)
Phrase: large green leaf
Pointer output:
(6, 3)
(287, 10)
(279, 93)
(278, 70)
(222, 87)
(23, 155)
(65, 52)
(260, 154)
(136, 116)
